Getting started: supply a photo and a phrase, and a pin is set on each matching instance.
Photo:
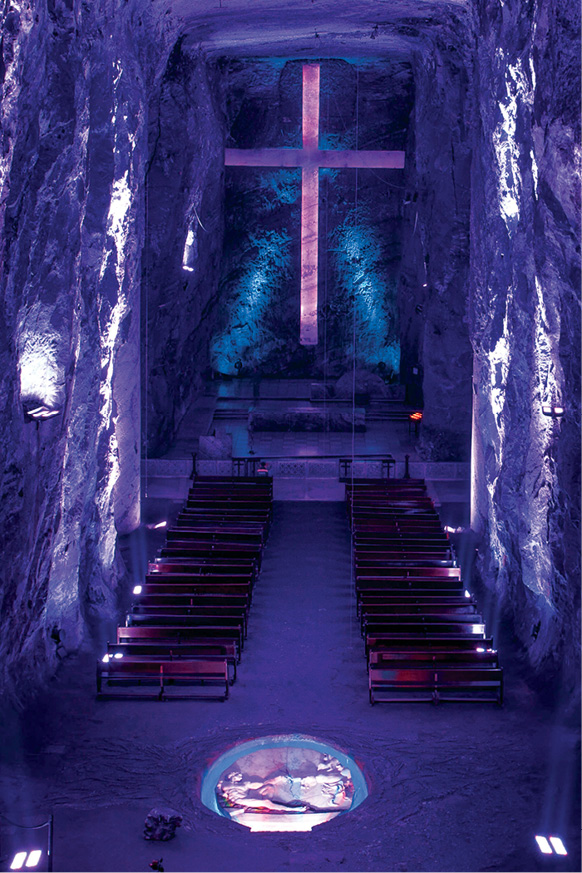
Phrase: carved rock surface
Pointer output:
(71, 217)
(436, 355)
(161, 823)
(525, 325)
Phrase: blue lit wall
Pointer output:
(359, 226)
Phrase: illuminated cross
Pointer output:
(310, 158)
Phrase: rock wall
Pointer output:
(436, 356)
(74, 151)
(525, 288)
(183, 249)
(364, 105)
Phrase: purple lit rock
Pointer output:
(215, 447)
(525, 325)
(161, 823)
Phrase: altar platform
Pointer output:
(304, 464)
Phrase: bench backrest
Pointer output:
(450, 656)
(164, 668)
(430, 676)
(173, 649)
(167, 633)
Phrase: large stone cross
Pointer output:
(310, 158)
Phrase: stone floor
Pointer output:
(452, 788)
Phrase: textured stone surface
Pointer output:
(161, 823)
(184, 201)
(215, 447)
(525, 320)
(308, 419)
(362, 106)
(73, 161)
(98, 98)
(436, 356)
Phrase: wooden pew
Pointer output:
(384, 642)
(187, 598)
(204, 593)
(387, 617)
(178, 605)
(233, 502)
(235, 566)
(428, 597)
(162, 679)
(177, 636)
(201, 627)
(428, 657)
(370, 569)
(144, 649)
(418, 630)
(379, 611)
(406, 583)
(220, 616)
(194, 550)
(411, 684)
(388, 621)
(213, 535)
(223, 525)
(204, 582)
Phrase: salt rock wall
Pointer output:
(436, 355)
(363, 105)
(73, 162)
(183, 243)
(525, 290)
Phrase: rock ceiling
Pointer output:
(316, 28)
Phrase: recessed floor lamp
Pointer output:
(30, 859)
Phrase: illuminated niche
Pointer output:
(283, 783)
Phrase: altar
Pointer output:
(307, 419)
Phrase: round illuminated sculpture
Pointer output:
(283, 783)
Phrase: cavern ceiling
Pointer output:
(306, 28)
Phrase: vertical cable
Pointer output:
(146, 367)
(353, 579)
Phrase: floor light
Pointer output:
(558, 846)
(543, 845)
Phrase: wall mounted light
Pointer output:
(556, 411)
(40, 413)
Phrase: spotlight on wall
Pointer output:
(137, 589)
(40, 413)
(553, 411)
(157, 525)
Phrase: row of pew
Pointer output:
(185, 632)
(424, 636)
